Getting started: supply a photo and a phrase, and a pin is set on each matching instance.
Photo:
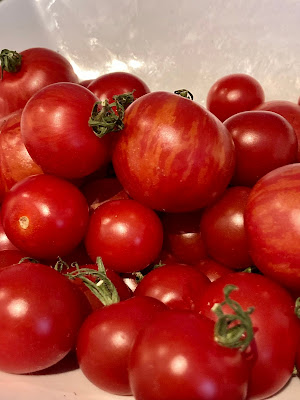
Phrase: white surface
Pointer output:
(171, 44)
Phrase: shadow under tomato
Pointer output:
(68, 363)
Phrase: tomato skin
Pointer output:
(40, 320)
(10, 257)
(176, 358)
(232, 94)
(106, 339)
(173, 155)
(212, 269)
(271, 358)
(40, 67)
(223, 231)
(58, 137)
(45, 216)
(125, 234)
(272, 225)
(263, 141)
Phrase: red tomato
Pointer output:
(178, 286)
(272, 358)
(40, 313)
(273, 226)
(57, 135)
(223, 230)
(5, 243)
(45, 216)
(232, 94)
(106, 339)
(125, 234)
(173, 155)
(108, 85)
(10, 257)
(15, 162)
(176, 358)
(212, 269)
(263, 141)
(39, 67)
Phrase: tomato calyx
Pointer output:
(233, 330)
(184, 93)
(106, 119)
(10, 61)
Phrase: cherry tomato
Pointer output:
(55, 131)
(232, 94)
(263, 141)
(45, 216)
(223, 230)
(40, 313)
(271, 358)
(39, 67)
(176, 358)
(106, 339)
(273, 226)
(172, 155)
(125, 234)
(212, 269)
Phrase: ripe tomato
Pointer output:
(55, 131)
(212, 269)
(125, 234)
(232, 94)
(176, 358)
(223, 230)
(273, 226)
(106, 339)
(39, 67)
(45, 216)
(172, 155)
(271, 358)
(40, 316)
(263, 141)
(10, 257)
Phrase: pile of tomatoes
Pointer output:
(155, 239)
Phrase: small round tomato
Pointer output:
(232, 94)
(125, 234)
(45, 216)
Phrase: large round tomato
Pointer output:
(56, 133)
(272, 223)
(45, 216)
(173, 155)
(39, 67)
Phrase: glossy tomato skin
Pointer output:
(125, 234)
(263, 141)
(178, 286)
(232, 94)
(40, 67)
(40, 319)
(45, 216)
(57, 135)
(272, 225)
(271, 358)
(212, 269)
(106, 339)
(108, 85)
(177, 358)
(223, 230)
(173, 155)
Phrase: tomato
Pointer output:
(10, 257)
(182, 236)
(263, 141)
(114, 83)
(223, 230)
(57, 135)
(40, 316)
(15, 162)
(271, 358)
(178, 286)
(106, 339)
(232, 94)
(176, 358)
(125, 234)
(172, 155)
(273, 226)
(5, 243)
(45, 216)
(39, 67)
(212, 269)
